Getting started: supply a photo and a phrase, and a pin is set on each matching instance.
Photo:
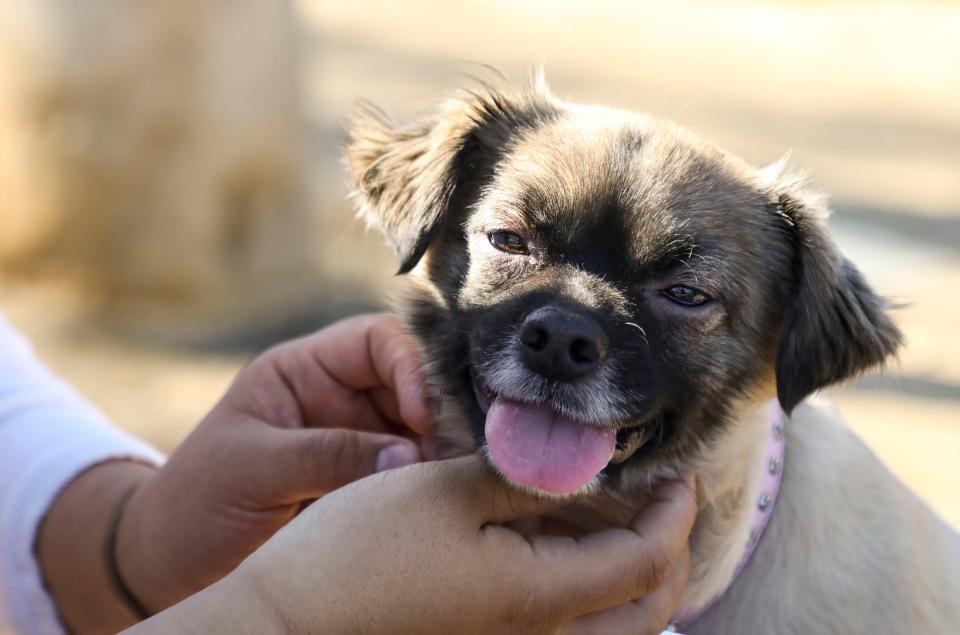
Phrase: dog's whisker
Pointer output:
(639, 328)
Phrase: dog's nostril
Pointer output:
(535, 337)
(587, 351)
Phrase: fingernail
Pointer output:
(394, 456)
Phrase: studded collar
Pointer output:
(771, 476)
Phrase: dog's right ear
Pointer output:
(834, 325)
(404, 178)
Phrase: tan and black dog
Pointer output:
(604, 299)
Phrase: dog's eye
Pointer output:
(688, 296)
(509, 242)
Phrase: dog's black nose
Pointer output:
(562, 345)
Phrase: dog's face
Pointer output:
(597, 288)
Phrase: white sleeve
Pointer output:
(48, 435)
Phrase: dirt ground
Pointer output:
(866, 98)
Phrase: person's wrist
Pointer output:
(71, 547)
(287, 601)
(248, 589)
(144, 561)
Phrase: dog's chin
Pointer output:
(631, 437)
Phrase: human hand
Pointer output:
(423, 550)
(304, 418)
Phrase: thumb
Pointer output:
(487, 496)
(310, 462)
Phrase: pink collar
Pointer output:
(771, 475)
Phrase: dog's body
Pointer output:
(613, 282)
(849, 549)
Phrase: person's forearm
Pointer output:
(70, 547)
(228, 606)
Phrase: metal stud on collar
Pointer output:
(764, 502)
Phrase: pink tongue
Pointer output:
(536, 446)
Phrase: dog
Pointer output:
(604, 299)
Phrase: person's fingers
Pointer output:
(357, 366)
(399, 368)
(614, 566)
(642, 616)
(308, 463)
(578, 575)
(384, 401)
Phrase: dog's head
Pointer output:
(598, 288)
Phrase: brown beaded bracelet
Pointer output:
(113, 568)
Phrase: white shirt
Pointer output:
(48, 435)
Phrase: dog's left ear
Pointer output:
(405, 177)
(834, 325)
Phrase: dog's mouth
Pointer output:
(541, 447)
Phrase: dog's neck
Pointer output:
(738, 481)
(740, 467)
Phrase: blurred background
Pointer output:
(172, 198)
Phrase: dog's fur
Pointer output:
(616, 208)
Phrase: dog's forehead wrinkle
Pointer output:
(495, 210)
(656, 235)
(566, 160)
